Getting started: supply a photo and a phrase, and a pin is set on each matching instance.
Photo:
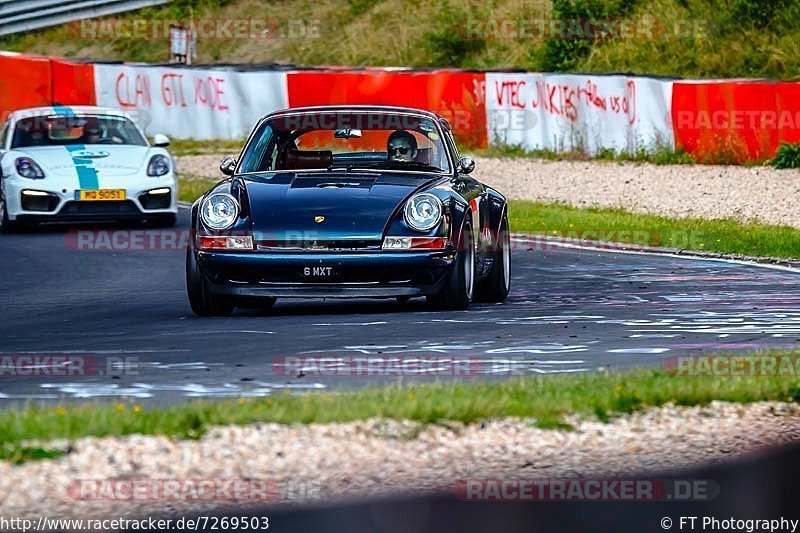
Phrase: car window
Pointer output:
(62, 130)
(259, 157)
(347, 139)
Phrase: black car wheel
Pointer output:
(263, 302)
(457, 291)
(6, 226)
(201, 299)
(495, 287)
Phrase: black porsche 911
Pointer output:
(348, 202)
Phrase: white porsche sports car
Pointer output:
(83, 163)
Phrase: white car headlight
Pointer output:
(27, 168)
(158, 165)
(219, 211)
(423, 211)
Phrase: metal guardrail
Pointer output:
(24, 15)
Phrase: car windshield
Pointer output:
(348, 139)
(62, 130)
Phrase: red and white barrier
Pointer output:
(24, 82)
(456, 95)
(562, 112)
(736, 120)
(191, 103)
(73, 83)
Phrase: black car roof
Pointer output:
(360, 107)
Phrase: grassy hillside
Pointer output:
(731, 38)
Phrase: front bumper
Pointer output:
(374, 274)
(59, 204)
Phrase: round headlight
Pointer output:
(219, 211)
(423, 211)
(27, 168)
(158, 165)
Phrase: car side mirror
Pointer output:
(227, 165)
(466, 164)
(160, 140)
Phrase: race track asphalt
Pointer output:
(123, 316)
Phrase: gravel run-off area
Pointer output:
(756, 193)
(379, 457)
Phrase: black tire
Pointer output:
(201, 299)
(264, 302)
(459, 288)
(495, 288)
(6, 226)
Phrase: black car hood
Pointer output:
(328, 205)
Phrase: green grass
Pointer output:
(616, 225)
(18, 454)
(180, 147)
(544, 401)
(190, 188)
(735, 38)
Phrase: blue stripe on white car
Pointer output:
(87, 174)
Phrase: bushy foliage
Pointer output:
(694, 38)
(449, 44)
(787, 156)
(565, 54)
(759, 13)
